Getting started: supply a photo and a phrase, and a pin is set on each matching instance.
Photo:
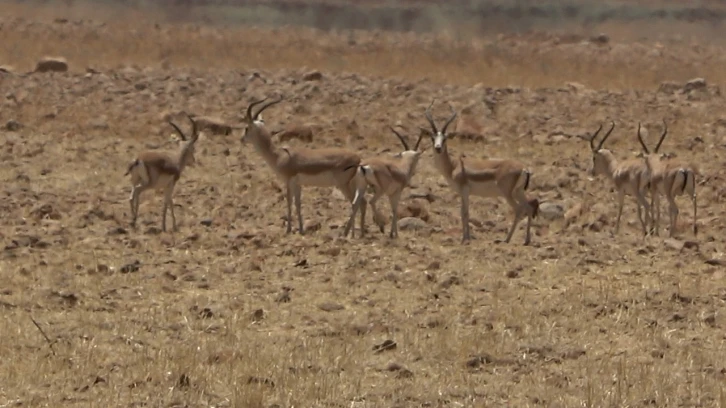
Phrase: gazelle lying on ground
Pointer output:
(630, 177)
(484, 178)
(297, 167)
(161, 170)
(671, 178)
(386, 175)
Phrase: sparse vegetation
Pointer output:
(231, 311)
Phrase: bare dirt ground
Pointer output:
(231, 311)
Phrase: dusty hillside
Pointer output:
(230, 311)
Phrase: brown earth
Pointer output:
(231, 311)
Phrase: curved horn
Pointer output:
(267, 105)
(602, 142)
(430, 119)
(662, 137)
(642, 143)
(249, 109)
(184, 138)
(451, 119)
(195, 131)
(418, 142)
(403, 141)
(593, 137)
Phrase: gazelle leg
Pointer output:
(135, 201)
(673, 207)
(357, 196)
(394, 199)
(518, 211)
(621, 201)
(644, 221)
(297, 192)
(378, 218)
(289, 199)
(465, 214)
(695, 210)
(169, 199)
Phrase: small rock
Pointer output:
(415, 208)
(600, 39)
(330, 306)
(284, 296)
(674, 244)
(98, 123)
(313, 76)
(258, 315)
(694, 84)
(131, 267)
(551, 210)
(411, 224)
(52, 64)
(13, 125)
(385, 346)
(207, 222)
(669, 87)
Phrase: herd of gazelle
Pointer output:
(389, 175)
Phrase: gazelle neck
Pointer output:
(262, 141)
(443, 163)
(184, 153)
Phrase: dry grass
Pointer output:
(198, 318)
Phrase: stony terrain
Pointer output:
(231, 311)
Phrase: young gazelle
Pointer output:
(386, 175)
(484, 178)
(630, 177)
(157, 170)
(297, 167)
(671, 178)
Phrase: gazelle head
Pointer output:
(254, 123)
(439, 137)
(408, 152)
(187, 144)
(600, 157)
(652, 157)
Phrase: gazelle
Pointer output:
(159, 170)
(484, 178)
(630, 177)
(297, 167)
(389, 176)
(671, 178)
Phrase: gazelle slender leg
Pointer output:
(644, 221)
(621, 202)
(655, 211)
(355, 194)
(695, 210)
(673, 215)
(170, 200)
(289, 207)
(394, 199)
(518, 210)
(298, 207)
(378, 218)
(136, 201)
(465, 213)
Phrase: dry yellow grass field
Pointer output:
(232, 312)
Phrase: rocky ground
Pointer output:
(231, 311)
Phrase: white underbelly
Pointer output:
(324, 179)
(490, 189)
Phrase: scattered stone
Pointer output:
(330, 306)
(284, 296)
(258, 315)
(600, 39)
(131, 267)
(551, 210)
(13, 125)
(313, 76)
(207, 222)
(415, 208)
(385, 346)
(411, 224)
(694, 85)
(52, 64)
